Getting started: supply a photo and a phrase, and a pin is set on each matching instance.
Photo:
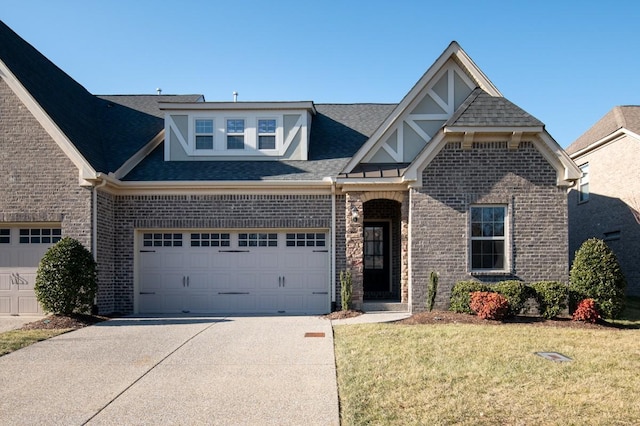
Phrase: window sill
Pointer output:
(490, 272)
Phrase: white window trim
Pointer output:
(194, 149)
(278, 135)
(244, 135)
(508, 252)
(583, 196)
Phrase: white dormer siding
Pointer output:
(213, 131)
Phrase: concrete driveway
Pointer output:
(176, 370)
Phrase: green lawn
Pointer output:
(13, 340)
(487, 375)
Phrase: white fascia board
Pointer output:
(609, 138)
(567, 170)
(453, 50)
(235, 106)
(86, 171)
(134, 160)
(217, 187)
(496, 129)
(361, 185)
(414, 171)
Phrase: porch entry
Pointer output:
(377, 260)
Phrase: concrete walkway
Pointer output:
(176, 370)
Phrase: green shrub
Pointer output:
(66, 280)
(515, 292)
(596, 275)
(489, 305)
(551, 297)
(432, 290)
(346, 290)
(461, 295)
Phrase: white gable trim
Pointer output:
(452, 51)
(136, 158)
(567, 171)
(609, 138)
(85, 170)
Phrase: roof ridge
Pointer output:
(620, 118)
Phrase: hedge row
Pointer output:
(551, 296)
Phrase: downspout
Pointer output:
(333, 242)
(94, 231)
(94, 242)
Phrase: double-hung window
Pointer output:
(488, 238)
(583, 184)
(235, 134)
(204, 134)
(266, 134)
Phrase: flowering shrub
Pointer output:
(489, 305)
(586, 311)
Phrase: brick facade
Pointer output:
(489, 173)
(39, 182)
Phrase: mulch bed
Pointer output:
(447, 317)
(76, 321)
(73, 321)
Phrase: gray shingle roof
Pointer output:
(483, 110)
(337, 131)
(619, 117)
(69, 104)
(106, 130)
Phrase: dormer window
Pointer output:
(204, 134)
(266, 134)
(235, 134)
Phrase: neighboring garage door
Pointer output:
(233, 272)
(21, 249)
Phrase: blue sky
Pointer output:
(564, 64)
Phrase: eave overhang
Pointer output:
(618, 134)
(119, 187)
(238, 106)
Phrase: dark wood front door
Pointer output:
(376, 257)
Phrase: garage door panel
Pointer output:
(316, 282)
(5, 281)
(251, 273)
(5, 305)
(199, 281)
(199, 260)
(28, 304)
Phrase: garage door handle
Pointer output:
(187, 281)
(233, 251)
(320, 292)
(321, 251)
(233, 292)
(147, 251)
(147, 292)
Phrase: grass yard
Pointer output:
(13, 340)
(486, 375)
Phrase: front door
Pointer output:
(377, 276)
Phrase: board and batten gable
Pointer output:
(288, 124)
(424, 116)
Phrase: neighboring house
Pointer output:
(606, 201)
(256, 207)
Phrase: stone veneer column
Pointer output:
(354, 246)
(404, 249)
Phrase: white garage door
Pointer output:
(233, 272)
(21, 249)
